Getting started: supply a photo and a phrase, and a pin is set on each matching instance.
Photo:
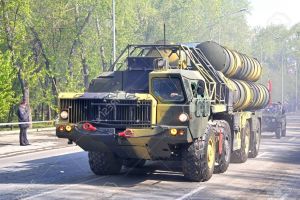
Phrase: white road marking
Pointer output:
(284, 197)
(191, 193)
(63, 188)
(291, 139)
(262, 154)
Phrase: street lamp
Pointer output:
(282, 66)
(114, 29)
(282, 63)
(296, 72)
(296, 86)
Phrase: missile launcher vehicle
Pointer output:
(193, 103)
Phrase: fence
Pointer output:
(10, 125)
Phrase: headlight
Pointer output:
(173, 131)
(68, 128)
(183, 117)
(64, 115)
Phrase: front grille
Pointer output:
(119, 113)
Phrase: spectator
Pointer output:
(23, 116)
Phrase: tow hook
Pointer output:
(126, 134)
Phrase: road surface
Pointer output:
(64, 174)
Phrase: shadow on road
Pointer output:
(73, 168)
(156, 179)
(5, 144)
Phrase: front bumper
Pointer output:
(151, 143)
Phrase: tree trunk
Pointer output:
(49, 78)
(54, 89)
(26, 97)
(10, 114)
(35, 115)
(49, 112)
(85, 69)
(102, 56)
(76, 40)
(42, 112)
(101, 49)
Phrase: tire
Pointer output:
(254, 149)
(241, 155)
(131, 163)
(104, 163)
(198, 159)
(278, 133)
(223, 159)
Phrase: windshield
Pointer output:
(168, 89)
(273, 108)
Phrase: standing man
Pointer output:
(23, 116)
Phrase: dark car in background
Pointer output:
(274, 119)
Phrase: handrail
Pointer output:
(215, 83)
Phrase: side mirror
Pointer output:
(201, 88)
(194, 89)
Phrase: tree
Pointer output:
(6, 85)
(60, 45)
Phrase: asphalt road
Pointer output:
(64, 174)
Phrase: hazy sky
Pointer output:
(265, 12)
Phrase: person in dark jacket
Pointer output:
(23, 115)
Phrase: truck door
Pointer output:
(201, 100)
(200, 107)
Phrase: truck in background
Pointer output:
(274, 119)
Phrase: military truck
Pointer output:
(193, 103)
(274, 119)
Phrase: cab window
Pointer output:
(168, 89)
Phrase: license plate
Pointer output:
(106, 131)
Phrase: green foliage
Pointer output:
(7, 76)
(52, 41)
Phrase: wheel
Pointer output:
(104, 163)
(254, 149)
(241, 155)
(131, 163)
(224, 152)
(198, 159)
(278, 132)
